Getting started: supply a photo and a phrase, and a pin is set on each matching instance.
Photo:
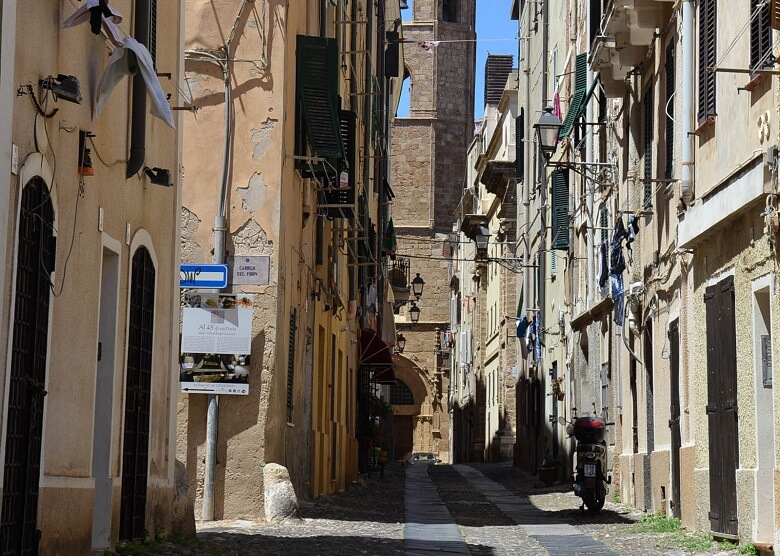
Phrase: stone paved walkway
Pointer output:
(420, 510)
(555, 536)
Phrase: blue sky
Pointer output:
(492, 23)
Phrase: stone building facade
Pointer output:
(427, 176)
(304, 181)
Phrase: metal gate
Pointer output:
(34, 263)
(722, 407)
(135, 448)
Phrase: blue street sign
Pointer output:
(204, 275)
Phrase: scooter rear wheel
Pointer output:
(593, 502)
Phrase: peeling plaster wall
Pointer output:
(247, 439)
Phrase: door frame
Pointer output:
(113, 248)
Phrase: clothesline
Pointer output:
(427, 45)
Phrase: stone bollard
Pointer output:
(280, 501)
(183, 505)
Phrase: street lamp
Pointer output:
(417, 286)
(482, 237)
(400, 343)
(414, 313)
(547, 129)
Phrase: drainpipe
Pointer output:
(687, 101)
(220, 231)
(543, 189)
(589, 186)
(135, 160)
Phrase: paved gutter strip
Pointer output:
(556, 538)
(429, 528)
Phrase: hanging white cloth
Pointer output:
(129, 57)
(83, 14)
(388, 317)
(124, 60)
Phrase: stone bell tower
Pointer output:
(428, 171)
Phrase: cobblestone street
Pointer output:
(481, 509)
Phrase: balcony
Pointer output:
(398, 276)
(628, 27)
(497, 174)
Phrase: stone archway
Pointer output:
(417, 419)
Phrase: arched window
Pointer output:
(400, 394)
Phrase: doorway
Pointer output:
(404, 435)
(104, 395)
(135, 447)
(19, 532)
(722, 407)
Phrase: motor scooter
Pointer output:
(590, 480)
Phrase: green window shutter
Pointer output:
(339, 200)
(581, 71)
(519, 146)
(578, 100)
(317, 91)
(291, 365)
(560, 210)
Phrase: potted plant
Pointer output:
(556, 386)
(548, 471)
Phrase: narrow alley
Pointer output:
(477, 509)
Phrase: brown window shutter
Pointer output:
(774, 6)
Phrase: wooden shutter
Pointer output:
(760, 35)
(774, 7)
(316, 82)
(648, 140)
(291, 365)
(707, 58)
(577, 104)
(519, 143)
(670, 76)
(153, 31)
(340, 201)
(560, 210)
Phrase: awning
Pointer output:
(376, 354)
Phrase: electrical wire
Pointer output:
(94, 148)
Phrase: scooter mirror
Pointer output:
(561, 420)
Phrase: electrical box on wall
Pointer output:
(770, 158)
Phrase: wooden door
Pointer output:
(404, 435)
(722, 407)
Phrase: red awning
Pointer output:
(375, 353)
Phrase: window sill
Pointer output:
(755, 81)
(708, 122)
